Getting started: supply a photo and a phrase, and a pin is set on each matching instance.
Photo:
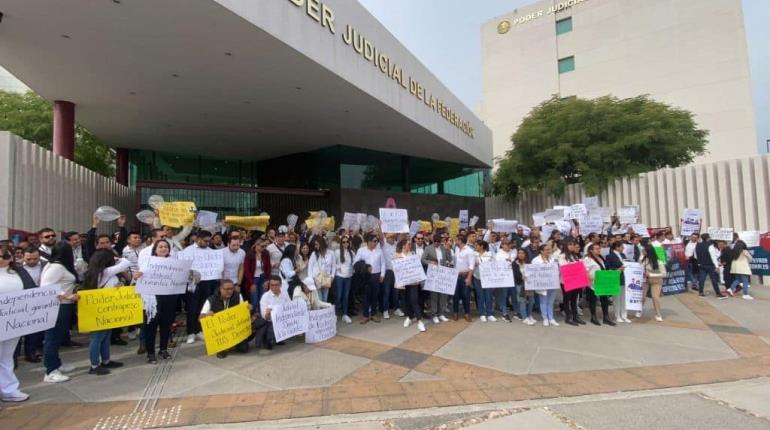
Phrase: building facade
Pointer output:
(691, 54)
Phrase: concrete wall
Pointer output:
(39, 189)
(691, 54)
(733, 193)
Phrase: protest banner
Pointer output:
(574, 276)
(414, 228)
(496, 274)
(177, 214)
(28, 311)
(592, 224)
(633, 273)
(675, 281)
(541, 276)
(164, 276)
(258, 222)
(640, 229)
(591, 202)
(504, 226)
(653, 231)
(408, 271)
(227, 328)
(206, 218)
(760, 262)
(538, 219)
(607, 283)
(208, 262)
(322, 325)
(553, 215)
(721, 233)
(627, 214)
(441, 279)
(108, 308)
(464, 218)
(394, 220)
(605, 213)
(578, 211)
(691, 220)
(750, 238)
(289, 319)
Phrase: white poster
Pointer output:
(164, 276)
(565, 227)
(553, 215)
(394, 220)
(208, 262)
(496, 274)
(691, 220)
(628, 250)
(538, 219)
(634, 275)
(541, 276)
(591, 202)
(627, 215)
(721, 233)
(414, 228)
(350, 221)
(441, 279)
(206, 219)
(28, 311)
(578, 211)
(545, 232)
(640, 229)
(592, 224)
(463, 216)
(322, 325)
(605, 213)
(504, 225)
(750, 237)
(408, 271)
(289, 319)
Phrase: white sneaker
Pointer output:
(747, 297)
(16, 397)
(190, 339)
(553, 323)
(658, 318)
(580, 312)
(483, 318)
(55, 376)
(528, 321)
(638, 314)
(132, 335)
(66, 368)
(435, 320)
(626, 320)
(347, 319)
(443, 318)
(386, 315)
(199, 336)
(545, 323)
(491, 318)
(407, 322)
(729, 291)
(420, 326)
(398, 313)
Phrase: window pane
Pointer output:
(567, 64)
(564, 25)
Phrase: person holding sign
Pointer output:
(321, 268)
(413, 309)
(571, 254)
(438, 253)
(614, 261)
(654, 272)
(103, 270)
(343, 277)
(595, 262)
(465, 262)
(224, 298)
(526, 298)
(741, 270)
(548, 297)
(201, 255)
(483, 296)
(263, 327)
(507, 255)
(372, 255)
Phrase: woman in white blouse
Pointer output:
(343, 275)
(547, 297)
(321, 267)
(411, 299)
(483, 295)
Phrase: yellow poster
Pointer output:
(454, 227)
(327, 224)
(425, 226)
(177, 214)
(225, 329)
(439, 224)
(108, 308)
(259, 222)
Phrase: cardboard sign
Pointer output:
(108, 308)
(208, 262)
(414, 228)
(578, 211)
(605, 213)
(627, 215)
(496, 274)
(553, 215)
(607, 283)
(691, 219)
(565, 227)
(164, 276)
(322, 325)
(592, 224)
(640, 229)
(504, 225)
(591, 202)
(542, 276)
(441, 279)
(350, 221)
(633, 273)
(206, 218)
(464, 218)
(177, 214)
(394, 220)
(574, 276)
(721, 233)
(289, 319)
(538, 219)
(454, 227)
(751, 238)
(225, 329)
(408, 271)
(28, 311)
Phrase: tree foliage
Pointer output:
(564, 141)
(30, 116)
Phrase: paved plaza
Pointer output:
(385, 369)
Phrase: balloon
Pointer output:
(107, 213)
(292, 221)
(146, 217)
(155, 201)
(321, 214)
(264, 214)
(435, 217)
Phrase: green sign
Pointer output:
(661, 254)
(607, 283)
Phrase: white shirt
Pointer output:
(715, 253)
(207, 304)
(287, 268)
(132, 255)
(418, 250)
(276, 253)
(56, 274)
(374, 258)
(232, 263)
(44, 249)
(388, 251)
(465, 259)
(10, 281)
(35, 272)
(258, 266)
(321, 263)
(109, 276)
(343, 269)
(689, 250)
(270, 300)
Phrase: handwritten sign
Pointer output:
(565, 227)
(633, 274)
(464, 218)
(751, 238)
(721, 233)
(289, 319)
(408, 271)
(206, 219)
(591, 202)
(627, 214)
(553, 215)
(538, 219)
(578, 211)
(541, 276)
(164, 276)
(607, 283)
(454, 227)
(605, 213)
(504, 225)
(322, 325)
(640, 229)
(394, 220)
(258, 222)
(496, 274)
(592, 224)
(574, 276)
(225, 329)
(28, 311)
(691, 219)
(441, 279)
(177, 214)
(108, 308)
(208, 262)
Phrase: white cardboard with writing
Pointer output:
(441, 279)
(721, 233)
(394, 220)
(164, 276)
(28, 311)
(541, 276)
(408, 271)
(496, 274)
(322, 325)
(289, 319)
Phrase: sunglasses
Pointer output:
(418, 238)
(345, 241)
(49, 236)
(7, 257)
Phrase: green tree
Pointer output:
(564, 141)
(30, 116)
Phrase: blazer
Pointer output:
(430, 256)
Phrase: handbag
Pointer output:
(323, 280)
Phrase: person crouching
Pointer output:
(222, 300)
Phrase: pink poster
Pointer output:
(574, 275)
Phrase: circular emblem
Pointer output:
(504, 26)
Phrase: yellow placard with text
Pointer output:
(177, 214)
(225, 329)
(108, 308)
(454, 227)
(258, 222)
(327, 224)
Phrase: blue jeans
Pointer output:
(546, 304)
(501, 296)
(55, 335)
(525, 304)
(741, 279)
(711, 272)
(100, 347)
(462, 292)
(256, 293)
(323, 294)
(342, 285)
(483, 298)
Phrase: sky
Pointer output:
(439, 32)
